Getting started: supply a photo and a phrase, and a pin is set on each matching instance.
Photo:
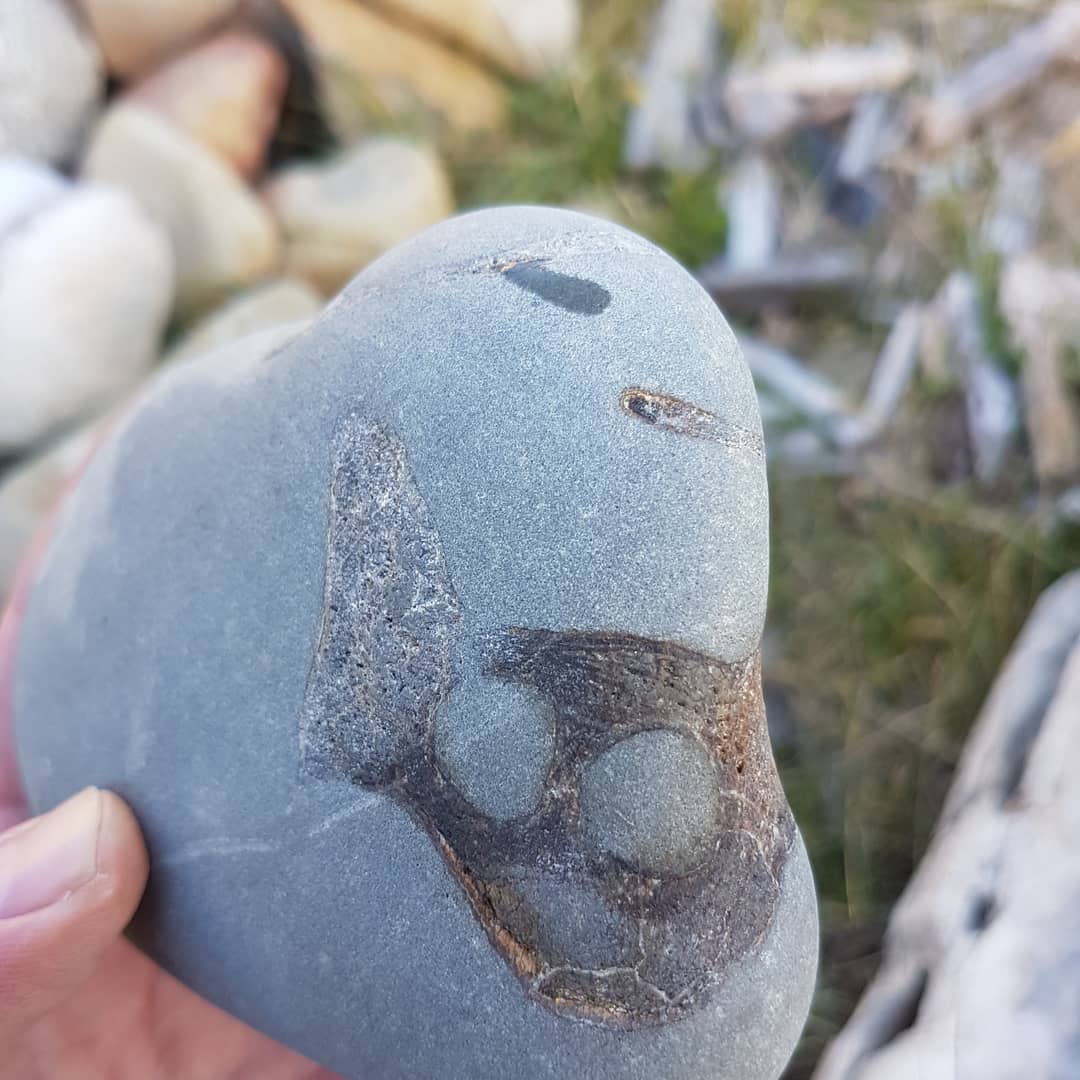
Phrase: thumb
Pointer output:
(70, 881)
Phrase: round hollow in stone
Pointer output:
(653, 801)
(495, 740)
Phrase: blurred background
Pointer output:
(882, 196)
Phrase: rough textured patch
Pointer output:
(382, 663)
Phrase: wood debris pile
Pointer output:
(922, 186)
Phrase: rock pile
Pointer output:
(155, 182)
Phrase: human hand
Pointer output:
(77, 1000)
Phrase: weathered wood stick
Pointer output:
(661, 129)
(767, 102)
(1000, 76)
(893, 373)
(1035, 299)
(990, 395)
(752, 199)
(785, 278)
(805, 391)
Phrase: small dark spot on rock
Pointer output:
(579, 295)
(982, 913)
(645, 407)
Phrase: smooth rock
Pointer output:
(524, 37)
(271, 304)
(222, 234)
(653, 800)
(364, 60)
(517, 462)
(496, 741)
(51, 80)
(72, 337)
(34, 487)
(26, 187)
(226, 93)
(30, 491)
(135, 34)
(340, 215)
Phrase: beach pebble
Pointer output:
(223, 236)
(515, 471)
(338, 216)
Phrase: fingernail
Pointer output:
(46, 859)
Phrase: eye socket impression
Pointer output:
(653, 801)
(496, 741)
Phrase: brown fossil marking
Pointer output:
(589, 935)
(669, 413)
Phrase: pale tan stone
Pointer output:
(361, 56)
(524, 37)
(338, 217)
(51, 80)
(86, 286)
(134, 34)
(224, 237)
(30, 491)
(226, 93)
(273, 303)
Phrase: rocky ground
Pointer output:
(882, 195)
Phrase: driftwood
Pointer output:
(1000, 76)
(869, 137)
(1039, 303)
(981, 970)
(807, 452)
(805, 391)
(892, 375)
(767, 102)
(1068, 506)
(784, 279)
(1011, 226)
(663, 129)
(990, 396)
(752, 199)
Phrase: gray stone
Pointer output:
(515, 468)
(653, 800)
